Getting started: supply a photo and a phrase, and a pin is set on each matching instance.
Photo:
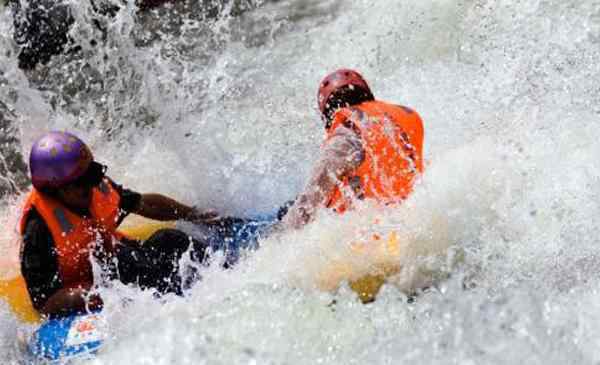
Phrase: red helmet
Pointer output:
(338, 80)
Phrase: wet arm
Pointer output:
(340, 156)
(160, 207)
(157, 206)
(39, 263)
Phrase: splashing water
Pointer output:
(220, 112)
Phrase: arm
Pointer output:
(340, 156)
(162, 208)
(39, 263)
(157, 206)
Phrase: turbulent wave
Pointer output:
(220, 112)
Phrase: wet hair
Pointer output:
(342, 98)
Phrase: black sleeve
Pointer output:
(130, 200)
(39, 262)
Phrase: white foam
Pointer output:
(509, 94)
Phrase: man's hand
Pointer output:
(198, 216)
(69, 301)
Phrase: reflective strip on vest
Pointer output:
(65, 225)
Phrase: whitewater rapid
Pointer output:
(222, 113)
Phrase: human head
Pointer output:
(62, 165)
(341, 88)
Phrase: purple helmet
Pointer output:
(57, 159)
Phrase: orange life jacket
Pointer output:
(76, 237)
(392, 139)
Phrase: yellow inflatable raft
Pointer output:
(381, 254)
(412, 259)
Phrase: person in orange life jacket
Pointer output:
(372, 150)
(73, 211)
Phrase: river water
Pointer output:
(221, 112)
